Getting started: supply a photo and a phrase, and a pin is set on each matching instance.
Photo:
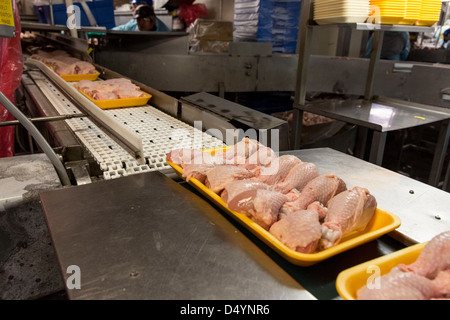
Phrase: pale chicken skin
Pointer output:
(299, 231)
(197, 171)
(298, 177)
(348, 211)
(242, 150)
(239, 186)
(183, 156)
(260, 205)
(398, 285)
(63, 63)
(320, 189)
(426, 278)
(218, 177)
(251, 179)
(278, 170)
(119, 88)
(434, 258)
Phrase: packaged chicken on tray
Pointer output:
(418, 272)
(113, 93)
(303, 215)
(66, 66)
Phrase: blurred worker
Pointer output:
(396, 45)
(145, 10)
(446, 36)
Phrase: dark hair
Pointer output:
(144, 11)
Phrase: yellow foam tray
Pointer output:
(383, 222)
(349, 281)
(79, 77)
(120, 103)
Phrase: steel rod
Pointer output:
(43, 119)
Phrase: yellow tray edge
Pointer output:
(297, 258)
(119, 103)
(355, 275)
(79, 77)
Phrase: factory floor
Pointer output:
(29, 267)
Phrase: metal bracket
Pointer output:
(446, 94)
(403, 67)
(80, 171)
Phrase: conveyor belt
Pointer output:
(159, 131)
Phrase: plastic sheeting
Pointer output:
(11, 68)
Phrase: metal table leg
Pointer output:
(361, 141)
(296, 134)
(439, 155)
(377, 148)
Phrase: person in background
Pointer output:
(396, 46)
(147, 13)
(446, 36)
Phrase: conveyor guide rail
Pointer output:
(159, 131)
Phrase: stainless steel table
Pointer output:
(381, 116)
(147, 237)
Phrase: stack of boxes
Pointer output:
(274, 21)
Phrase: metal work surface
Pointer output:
(28, 265)
(384, 115)
(423, 209)
(380, 116)
(147, 237)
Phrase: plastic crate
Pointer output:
(277, 34)
(103, 11)
(273, 21)
(288, 47)
(279, 14)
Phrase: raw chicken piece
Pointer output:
(262, 206)
(278, 169)
(197, 171)
(240, 151)
(239, 186)
(262, 157)
(87, 86)
(299, 231)
(83, 67)
(298, 177)
(442, 284)
(104, 95)
(124, 93)
(121, 83)
(119, 88)
(398, 285)
(63, 63)
(321, 189)
(293, 195)
(61, 67)
(218, 177)
(183, 156)
(41, 56)
(435, 257)
(348, 211)
(319, 208)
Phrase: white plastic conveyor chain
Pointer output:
(159, 131)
